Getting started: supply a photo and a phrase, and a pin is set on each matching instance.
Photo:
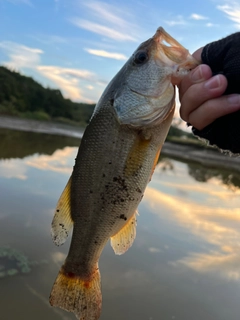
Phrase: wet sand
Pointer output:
(207, 157)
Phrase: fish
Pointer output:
(115, 161)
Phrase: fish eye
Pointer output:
(140, 57)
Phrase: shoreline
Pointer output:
(210, 157)
(30, 125)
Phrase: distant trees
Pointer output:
(23, 96)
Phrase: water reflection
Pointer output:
(20, 144)
(205, 174)
(60, 161)
(183, 265)
(215, 225)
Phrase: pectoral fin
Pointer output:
(62, 222)
(124, 239)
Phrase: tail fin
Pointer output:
(73, 294)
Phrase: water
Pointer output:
(184, 264)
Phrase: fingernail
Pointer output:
(234, 100)
(212, 83)
(197, 74)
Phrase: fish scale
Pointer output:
(117, 181)
(117, 156)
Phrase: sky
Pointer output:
(78, 46)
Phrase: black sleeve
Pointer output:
(223, 56)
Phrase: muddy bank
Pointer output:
(207, 157)
(40, 126)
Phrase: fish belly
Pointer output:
(112, 169)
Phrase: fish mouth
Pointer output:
(173, 54)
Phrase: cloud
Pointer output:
(106, 11)
(106, 54)
(49, 39)
(178, 21)
(89, 87)
(196, 16)
(102, 30)
(232, 11)
(68, 80)
(106, 20)
(209, 25)
(20, 56)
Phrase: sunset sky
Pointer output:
(78, 46)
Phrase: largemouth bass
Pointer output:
(115, 161)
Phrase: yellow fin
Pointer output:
(155, 162)
(124, 239)
(62, 222)
(73, 294)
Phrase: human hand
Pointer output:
(201, 96)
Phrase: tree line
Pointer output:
(22, 96)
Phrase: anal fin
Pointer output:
(62, 222)
(124, 239)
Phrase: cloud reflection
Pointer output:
(209, 211)
(13, 169)
(60, 161)
(154, 250)
(58, 258)
(226, 265)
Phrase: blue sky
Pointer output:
(78, 46)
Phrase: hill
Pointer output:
(24, 97)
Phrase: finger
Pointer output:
(197, 54)
(199, 93)
(213, 109)
(199, 74)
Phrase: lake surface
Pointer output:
(185, 261)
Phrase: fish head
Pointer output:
(144, 88)
(173, 54)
